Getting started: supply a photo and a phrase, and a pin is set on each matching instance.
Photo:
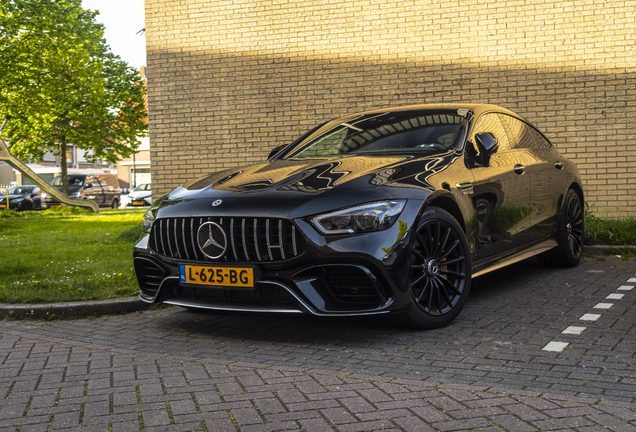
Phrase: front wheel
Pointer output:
(440, 271)
(569, 235)
(115, 203)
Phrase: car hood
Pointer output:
(287, 187)
(139, 194)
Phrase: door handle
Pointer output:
(558, 165)
(464, 185)
(519, 169)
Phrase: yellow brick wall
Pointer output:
(230, 79)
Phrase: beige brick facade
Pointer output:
(230, 79)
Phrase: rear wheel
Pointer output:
(115, 203)
(570, 235)
(440, 271)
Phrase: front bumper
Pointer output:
(334, 275)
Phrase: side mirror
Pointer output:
(487, 145)
(274, 151)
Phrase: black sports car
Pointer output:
(22, 198)
(386, 211)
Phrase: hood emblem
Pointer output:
(212, 240)
(216, 203)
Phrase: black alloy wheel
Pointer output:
(570, 235)
(440, 271)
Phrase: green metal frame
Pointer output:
(6, 156)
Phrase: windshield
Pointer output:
(142, 187)
(426, 131)
(73, 180)
(20, 190)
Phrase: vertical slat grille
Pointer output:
(248, 240)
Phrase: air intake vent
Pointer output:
(149, 276)
(350, 284)
(247, 239)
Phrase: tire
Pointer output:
(115, 204)
(570, 235)
(438, 292)
(28, 206)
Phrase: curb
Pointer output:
(601, 249)
(78, 309)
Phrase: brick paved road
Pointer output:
(177, 370)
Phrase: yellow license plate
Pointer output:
(138, 203)
(56, 205)
(242, 277)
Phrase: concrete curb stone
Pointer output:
(78, 309)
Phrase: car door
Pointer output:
(546, 170)
(501, 194)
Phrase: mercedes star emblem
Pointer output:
(212, 240)
(216, 203)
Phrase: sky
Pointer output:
(122, 19)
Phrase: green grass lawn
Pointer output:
(67, 254)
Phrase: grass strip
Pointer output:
(67, 254)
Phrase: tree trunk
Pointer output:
(63, 170)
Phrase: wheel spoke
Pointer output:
(577, 231)
(422, 243)
(453, 261)
(438, 296)
(419, 255)
(450, 250)
(419, 297)
(437, 239)
(452, 273)
(443, 244)
(430, 296)
(417, 281)
(444, 293)
(575, 211)
(452, 287)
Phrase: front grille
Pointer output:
(267, 295)
(149, 275)
(248, 239)
(350, 284)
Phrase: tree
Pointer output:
(62, 85)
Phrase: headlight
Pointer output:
(149, 218)
(374, 216)
(44, 195)
(17, 200)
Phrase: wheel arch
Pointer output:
(446, 203)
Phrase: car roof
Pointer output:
(476, 108)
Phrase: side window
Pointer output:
(92, 182)
(522, 135)
(541, 142)
(490, 123)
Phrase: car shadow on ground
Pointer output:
(296, 328)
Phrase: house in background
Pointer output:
(49, 167)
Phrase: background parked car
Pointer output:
(140, 196)
(22, 198)
(103, 189)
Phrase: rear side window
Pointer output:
(523, 135)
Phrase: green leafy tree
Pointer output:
(62, 85)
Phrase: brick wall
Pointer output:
(228, 79)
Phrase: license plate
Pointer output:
(56, 205)
(138, 203)
(242, 277)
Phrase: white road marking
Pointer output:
(631, 280)
(615, 296)
(555, 346)
(574, 330)
(590, 317)
(625, 288)
(603, 305)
